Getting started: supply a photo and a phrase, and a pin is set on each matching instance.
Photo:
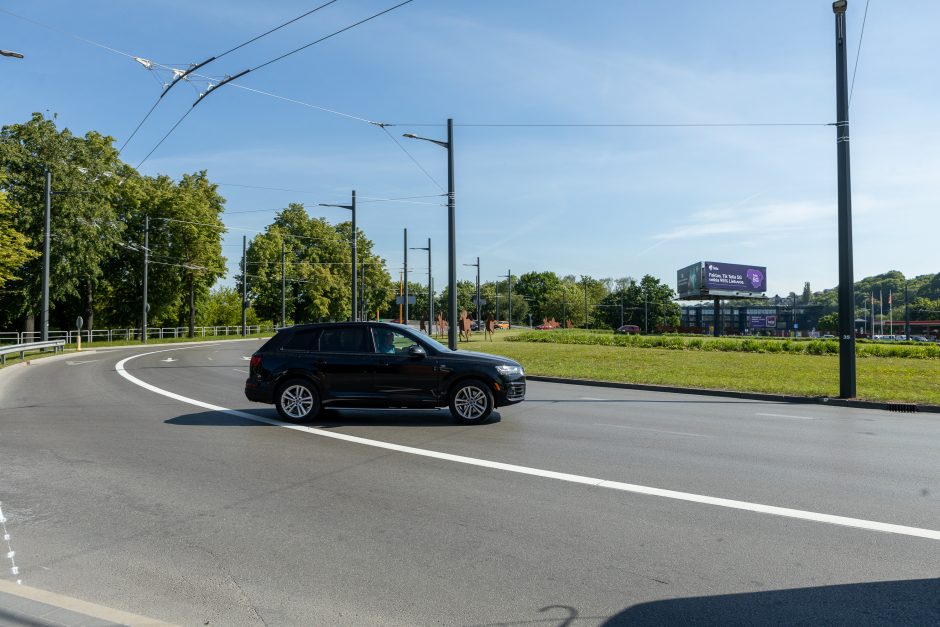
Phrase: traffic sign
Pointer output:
(79, 322)
(412, 299)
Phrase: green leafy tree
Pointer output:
(85, 175)
(14, 248)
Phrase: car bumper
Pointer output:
(257, 392)
(511, 392)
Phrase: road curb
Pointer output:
(41, 607)
(760, 396)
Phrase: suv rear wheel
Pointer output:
(298, 401)
(471, 402)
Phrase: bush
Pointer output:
(910, 350)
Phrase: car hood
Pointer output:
(477, 356)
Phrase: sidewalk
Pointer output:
(22, 605)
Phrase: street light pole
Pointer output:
(430, 287)
(405, 295)
(477, 265)
(283, 285)
(146, 305)
(244, 285)
(846, 271)
(355, 288)
(451, 232)
(44, 314)
(508, 277)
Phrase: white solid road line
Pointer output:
(694, 435)
(845, 521)
(786, 416)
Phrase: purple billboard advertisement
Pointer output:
(762, 322)
(732, 276)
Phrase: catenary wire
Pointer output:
(333, 34)
(405, 150)
(276, 28)
(858, 51)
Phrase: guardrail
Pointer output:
(22, 349)
(90, 336)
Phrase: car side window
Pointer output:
(302, 340)
(344, 340)
(391, 342)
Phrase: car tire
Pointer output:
(297, 401)
(471, 402)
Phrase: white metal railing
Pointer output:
(89, 336)
(22, 349)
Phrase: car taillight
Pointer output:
(255, 361)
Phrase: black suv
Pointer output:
(377, 364)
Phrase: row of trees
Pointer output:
(99, 204)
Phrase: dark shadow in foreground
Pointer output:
(329, 418)
(913, 602)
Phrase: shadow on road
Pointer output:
(642, 401)
(330, 418)
(913, 602)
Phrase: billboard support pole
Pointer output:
(846, 272)
(717, 317)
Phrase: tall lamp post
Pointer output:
(451, 233)
(355, 260)
(430, 293)
(477, 266)
(846, 270)
(508, 277)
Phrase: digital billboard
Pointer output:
(709, 279)
(689, 280)
(734, 277)
(762, 322)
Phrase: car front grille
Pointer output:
(516, 391)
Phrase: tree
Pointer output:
(85, 174)
(14, 249)
(318, 259)
(807, 294)
(829, 322)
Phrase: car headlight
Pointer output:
(509, 371)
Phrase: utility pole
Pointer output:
(451, 232)
(907, 313)
(244, 285)
(44, 314)
(564, 309)
(146, 305)
(451, 240)
(283, 285)
(405, 297)
(477, 264)
(586, 320)
(355, 290)
(430, 288)
(508, 277)
(846, 271)
(496, 286)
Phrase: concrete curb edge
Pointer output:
(760, 396)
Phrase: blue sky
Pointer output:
(601, 201)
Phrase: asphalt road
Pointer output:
(119, 495)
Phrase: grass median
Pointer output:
(878, 378)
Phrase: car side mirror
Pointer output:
(416, 351)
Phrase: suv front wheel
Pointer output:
(471, 402)
(297, 401)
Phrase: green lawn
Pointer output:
(879, 378)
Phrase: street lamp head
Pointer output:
(839, 6)
(10, 53)
(410, 135)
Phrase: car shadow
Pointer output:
(329, 418)
(912, 602)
